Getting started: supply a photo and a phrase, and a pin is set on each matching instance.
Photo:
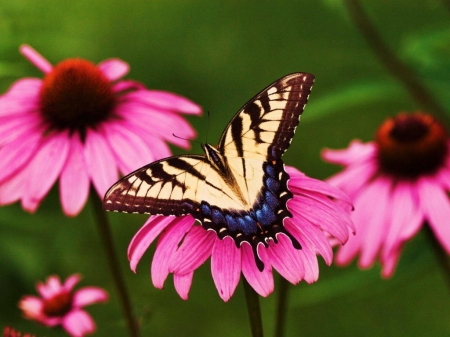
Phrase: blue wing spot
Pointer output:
(206, 210)
(265, 216)
(232, 223)
(270, 170)
(271, 200)
(217, 216)
(272, 184)
(247, 225)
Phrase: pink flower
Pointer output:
(61, 305)
(11, 332)
(318, 209)
(82, 124)
(398, 183)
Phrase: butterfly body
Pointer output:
(239, 189)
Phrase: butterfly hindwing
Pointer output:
(263, 128)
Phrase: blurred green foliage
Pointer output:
(220, 55)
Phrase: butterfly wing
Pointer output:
(263, 128)
(171, 186)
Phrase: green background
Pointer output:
(219, 55)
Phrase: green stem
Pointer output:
(393, 64)
(440, 253)
(104, 230)
(253, 309)
(282, 303)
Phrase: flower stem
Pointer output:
(393, 64)
(253, 309)
(282, 303)
(114, 265)
(440, 253)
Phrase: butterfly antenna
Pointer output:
(189, 140)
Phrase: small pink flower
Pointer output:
(82, 123)
(398, 183)
(59, 304)
(318, 209)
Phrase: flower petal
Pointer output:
(100, 162)
(44, 169)
(225, 266)
(89, 295)
(436, 206)
(114, 69)
(286, 259)
(166, 248)
(74, 182)
(357, 151)
(36, 59)
(166, 101)
(31, 307)
(261, 281)
(78, 323)
(71, 281)
(194, 251)
(144, 237)
(126, 85)
(183, 284)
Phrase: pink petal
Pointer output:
(126, 85)
(12, 189)
(286, 259)
(357, 151)
(389, 262)
(89, 295)
(16, 154)
(262, 282)
(194, 251)
(225, 267)
(167, 246)
(31, 307)
(157, 146)
(307, 253)
(44, 169)
(100, 162)
(144, 237)
(436, 206)
(162, 123)
(71, 281)
(52, 287)
(129, 149)
(36, 59)
(166, 101)
(114, 69)
(19, 126)
(74, 182)
(183, 284)
(78, 323)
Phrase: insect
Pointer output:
(237, 189)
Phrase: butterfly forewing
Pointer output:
(263, 128)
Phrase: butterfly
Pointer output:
(237, 189)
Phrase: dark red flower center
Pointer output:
(58, 305)
(410, 145)
(75, 96)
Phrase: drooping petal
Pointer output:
(78, 323)
(35, 58)
(126, 85)
(130, 151)
(261, 281)
(166, 101)
(100, 162)
(183, 284)
(114, 69)
(31, 307)
(166, 248)
(71, 281)
(44, 169)
(225, 266)
(74, 182)
(144, 237)
(12, 189)
(286, 259)
(89, 295)
(436, 206)
(357, 151)
(193, 252)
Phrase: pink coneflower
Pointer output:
(59, 304)
(318, 209)
(82, 124)
(398, 183)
